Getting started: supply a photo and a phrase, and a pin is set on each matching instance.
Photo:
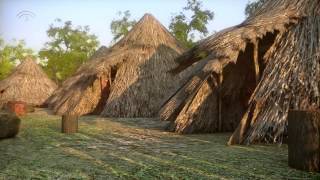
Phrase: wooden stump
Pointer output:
(304, 142)
(9, 125)
(69, 124)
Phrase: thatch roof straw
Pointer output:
(236, 63)
(81, 93)
(135, 71)
(27, 83)
(99, 53)
(142, 83)
(291, 80)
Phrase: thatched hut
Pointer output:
(130, 80)
(27, 83)
(142, 82)
(253, 73)
(86, 91)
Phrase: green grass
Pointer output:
(134, 149)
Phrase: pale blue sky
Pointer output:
(98, 14)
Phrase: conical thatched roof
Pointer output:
(252, 58)
(134, 72)
(27, 83)
(142, 83)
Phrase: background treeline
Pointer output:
(70, 46)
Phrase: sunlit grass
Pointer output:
(134, 149)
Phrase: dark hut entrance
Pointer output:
(222, 100)
(239, 82)
(105, 84)
(105, 81)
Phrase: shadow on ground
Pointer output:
(133, 149)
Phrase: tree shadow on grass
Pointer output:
(107, 148)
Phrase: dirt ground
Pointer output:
(133, 149)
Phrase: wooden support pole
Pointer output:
(256, 61)
(220, 102)
(69, 124)
(304, 142)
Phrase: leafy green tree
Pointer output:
(252, 6)
(184, 28)
(68, 48)
(120, 27)
(12, 54)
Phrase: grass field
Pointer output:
(134, 149)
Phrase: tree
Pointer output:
(184, 28)
(252, 6)
(68, 48)
(122, 26)
(12, 54)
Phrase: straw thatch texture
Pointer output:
(217, 97)
(134, 74)
(83, 92)
(142, 82)
(27, 83)
(290, 81)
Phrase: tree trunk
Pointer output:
(69, 124)
(304, 142)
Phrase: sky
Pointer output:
(30, 19)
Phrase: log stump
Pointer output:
(9, 125)
(69, 124)
(304, 142)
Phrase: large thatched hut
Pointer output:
(130, 80)
(142, 82)
(251, 73)
(27, 83)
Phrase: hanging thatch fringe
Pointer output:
(243, 56)
(290, 81)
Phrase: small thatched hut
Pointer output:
(246, 74)
(27, 83)
(130, 80)
(86, 91)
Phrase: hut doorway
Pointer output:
(105, 84)
(105, 81)
(239, 82)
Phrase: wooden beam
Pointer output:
(220, 102)
(256, 61)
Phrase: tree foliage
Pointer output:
(252, 6)
(120, 27)
(11, 55)
(184, 28)
(68, 48)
